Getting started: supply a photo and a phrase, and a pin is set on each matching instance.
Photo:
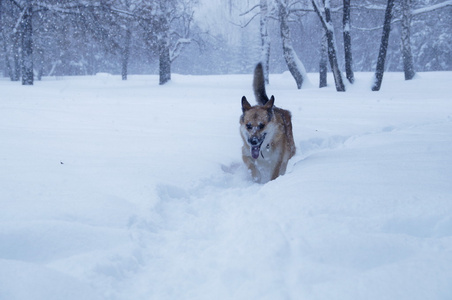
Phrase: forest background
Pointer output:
(78, 37)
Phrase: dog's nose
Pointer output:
(254, 141)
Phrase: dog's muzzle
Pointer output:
(256, 144)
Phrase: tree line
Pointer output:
(329, 51)
(76, 37)
(60, 36)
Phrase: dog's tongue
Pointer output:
(255, 151)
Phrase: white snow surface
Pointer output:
(115, 189)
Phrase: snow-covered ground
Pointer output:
(131, 190)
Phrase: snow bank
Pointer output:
(131, 190)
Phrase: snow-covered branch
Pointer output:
(178, 47)
(75, 8)
(325, 18)
(320, 12)
(431, 8)
(414, 13)
(19, 20)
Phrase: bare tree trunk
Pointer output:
(347, 42)
(265, 38)
(7, 71)
(323, 64)
(332, 49)
(15, 72)
(294, 64)
(164, 43)
(406, 42)
(164, 62)
(125, 55)
(7, 68)
(14, 54)
(39, 63)
(27, 44)
(383, 46)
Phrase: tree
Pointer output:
(125, 54)
(332, 49)
(294, 64)
(21, 37)
(114, 21)
(265, 14)
(347, 42)
(162, 27)
(7, 70)
(431, 34)
(10, 17)
(79, 37)
(27, 43)
(168, 30)
(422, 30)
(383, 47)
(265, 39)
(323, 63)
(407, 55)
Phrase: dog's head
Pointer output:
(254, 124)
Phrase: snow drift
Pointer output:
(131, 190)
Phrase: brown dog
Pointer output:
(267, 134)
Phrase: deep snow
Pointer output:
(131, 190)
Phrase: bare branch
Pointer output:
(250, 10)
(17, 4)
(19, 20)
(247, 23)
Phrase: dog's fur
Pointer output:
(266, 132)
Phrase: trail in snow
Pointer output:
(108, 193)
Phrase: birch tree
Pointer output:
(407, 55)
(332, 49)
(265, 38)
(294, 64)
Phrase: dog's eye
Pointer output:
(261, 126)
(249, 126)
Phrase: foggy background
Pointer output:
(218, 36)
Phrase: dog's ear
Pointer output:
(269, 107)
(270, 103)
(245, 104)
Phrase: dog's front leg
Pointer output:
(254, 172)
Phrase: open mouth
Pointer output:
(256, 145)
(255, 150)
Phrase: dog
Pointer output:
(266, 131)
